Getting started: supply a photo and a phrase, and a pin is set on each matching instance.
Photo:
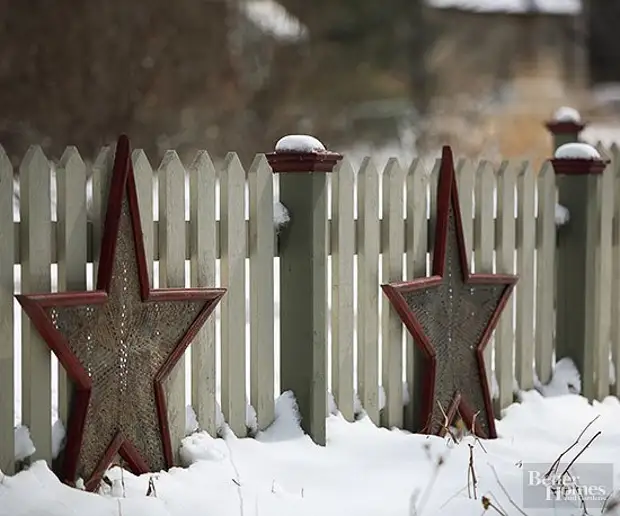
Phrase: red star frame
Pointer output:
(451, 316)
(118, 345)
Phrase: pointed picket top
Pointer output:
(258, 163)
(232, 161)
(368, 167)
(104, 159)
(71, 158)
(171, 163)
(393, 168)
(345, 167)
(202, 161)
(140, 161)
(5, 162)
(34, 159)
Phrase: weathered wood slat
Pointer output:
(391, 325)
(484, 241)
(603, 283)
(203, 274)
(7, 354)
(342, 313)
(506, 243)
(143, 173)
(233, 245)
(72, 245)
(368, 236)
(526, 243)
(416, 239)
(545, 273)
(262, 300)
(171, 176)
(36, 256)
(615, 284)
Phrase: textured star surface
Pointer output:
(451, 316)
(118, 344)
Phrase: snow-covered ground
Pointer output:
(363, 470)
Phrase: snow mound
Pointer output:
(565, 380)
(191, 421)
(567, 114)
(58, 438)
(299, 143)
(24, 446)
(286, 425)
(562, 215)
(201, 446)
(577, 151)
(281, 216)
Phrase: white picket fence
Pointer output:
(222, 216)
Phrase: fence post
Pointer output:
(570, 262)
(303, 276)
(576, 167)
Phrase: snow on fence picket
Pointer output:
(215, 226)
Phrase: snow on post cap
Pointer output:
(576, 151)
(567, 114)
(302, 153)
(299, 143)
(578, 159)
(566, 120)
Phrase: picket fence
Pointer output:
(221, 232)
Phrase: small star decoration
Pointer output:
(118, 345)
(451, 316)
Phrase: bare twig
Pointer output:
(237, 480)
(488, 504)
(580, 453)
(446, 424)
(429, 487)
(151, 491)
(505, 491)
(444, 505)
(472, 481)
(556, 464)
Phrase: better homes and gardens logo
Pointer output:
(558, 485)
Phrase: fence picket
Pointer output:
(545, 272)
(369, 238)
(101, 176)
(601, 345)
(484, 237)
(417, 242)
(72, 244)
(526, 243)
(171, 176)
(392, 327)
(203, 274)
(615, 257)
(342, 313)
(233, 246)
(36, 257)
(504, 344)
(262, 295)
(466, 176)
(7, 354)
(143, 173)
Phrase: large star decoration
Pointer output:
(451, 316)
(118, 344)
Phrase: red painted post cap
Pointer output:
(578, 159)
(302, 153)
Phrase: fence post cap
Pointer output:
(301, 153)
(566, 120)
(578, 159)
